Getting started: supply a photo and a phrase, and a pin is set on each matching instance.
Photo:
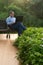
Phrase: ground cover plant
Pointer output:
(30, 45)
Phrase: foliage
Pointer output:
(32, 10)
(16, 9)
(30, 45)
(3, 15)
(37, 9)
(32, 21)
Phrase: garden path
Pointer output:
(8, 53)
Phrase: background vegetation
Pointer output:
(32, 10)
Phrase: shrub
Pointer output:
(3, 15)
(16, 9)
(32, 21)
(30, 45)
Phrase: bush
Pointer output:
(3, 15)
(30, 45)
(16, 9)
(37, 9)
(32, 21)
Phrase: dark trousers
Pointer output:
(19, 27)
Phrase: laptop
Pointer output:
(19, 18)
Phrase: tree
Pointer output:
(37, 9)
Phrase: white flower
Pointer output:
(27, 64)
(42, 33)
(41, 38)
(41, 45)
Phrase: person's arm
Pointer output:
(13, 20)
(7, 21)
(10, 21)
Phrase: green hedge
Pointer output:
(30, 45)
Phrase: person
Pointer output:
(11, 22)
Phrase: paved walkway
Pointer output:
(8, 53)
(12, 36)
